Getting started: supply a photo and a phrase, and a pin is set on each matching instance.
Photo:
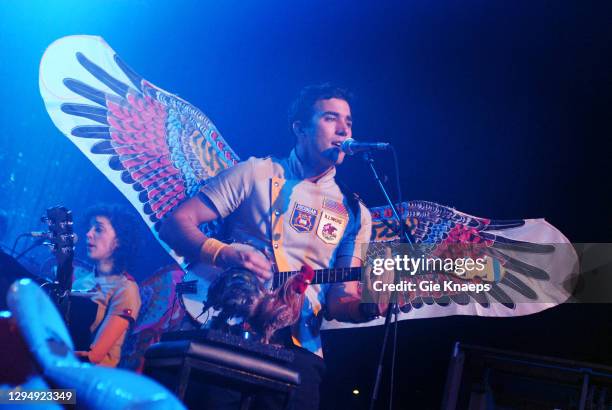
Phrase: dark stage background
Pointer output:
(500, 109)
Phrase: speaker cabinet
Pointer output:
(481, 378)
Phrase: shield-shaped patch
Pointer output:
(303, 218)
(331, 227)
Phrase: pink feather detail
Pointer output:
(138, 133)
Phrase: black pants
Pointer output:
(306, 396)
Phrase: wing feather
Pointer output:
(158, 150)
(145, 140)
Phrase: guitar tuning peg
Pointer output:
(65, 224)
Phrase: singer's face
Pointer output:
(101, 239)
(330, 125)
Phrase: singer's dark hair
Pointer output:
(126, 226)
(302, 107)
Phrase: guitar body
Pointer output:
(18, 364)
(199, 277)
(193, 301)
(83, 313)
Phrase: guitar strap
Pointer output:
(276, 219)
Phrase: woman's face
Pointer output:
(101, 239)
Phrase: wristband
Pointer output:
(210, 250)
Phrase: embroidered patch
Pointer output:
(303, 218)
(334, 206)
(331, 227)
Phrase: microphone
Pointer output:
(351, 147)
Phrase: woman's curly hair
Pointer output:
(126, 226)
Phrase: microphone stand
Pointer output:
(392, 308)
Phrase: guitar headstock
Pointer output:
(61, 234)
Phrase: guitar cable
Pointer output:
(21, 235)
(38, 242)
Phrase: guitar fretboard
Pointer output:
(331, 275)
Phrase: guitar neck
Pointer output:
(331, 275)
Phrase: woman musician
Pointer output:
(111, 245)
